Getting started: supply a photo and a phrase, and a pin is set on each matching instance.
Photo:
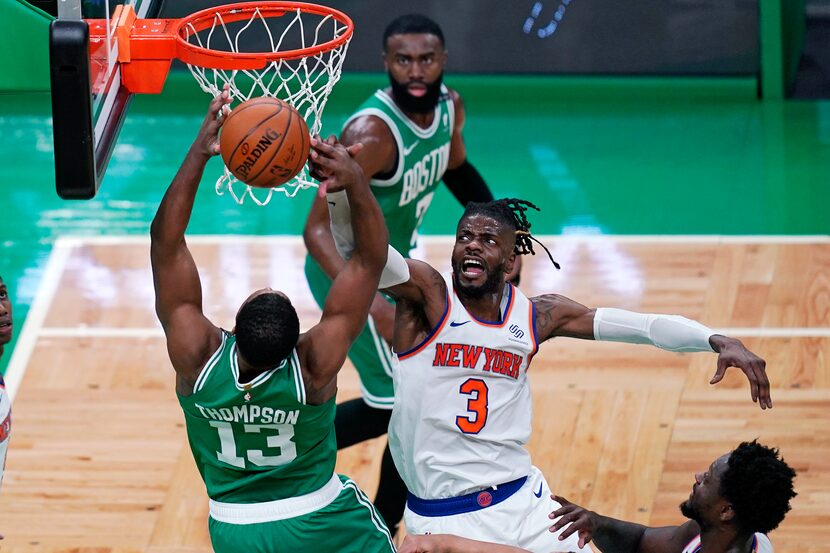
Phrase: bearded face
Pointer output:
(415, 64)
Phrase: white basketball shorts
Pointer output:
(520, 520)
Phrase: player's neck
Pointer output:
(423, 120)
(725, 540)
(484, 308)
(247, 372)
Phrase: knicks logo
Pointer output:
(484, 499)
(516, 331)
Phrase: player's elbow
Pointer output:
(314, 233)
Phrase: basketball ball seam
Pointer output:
(287, 128)
(255, 128)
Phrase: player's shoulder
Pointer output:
(365, 125)
(455, 96)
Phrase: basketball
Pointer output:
(264, 142)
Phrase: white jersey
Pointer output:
(462, 412)
(5, 425)
(760, 545)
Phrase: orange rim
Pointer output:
(242, 11)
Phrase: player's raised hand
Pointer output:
(333, 165)
(576, 518)
(207, 141)
(732, 353)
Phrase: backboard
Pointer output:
(89, 101)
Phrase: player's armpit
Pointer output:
(425, 286)
(557, 315)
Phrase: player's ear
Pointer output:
(727, 512)
(509, 263)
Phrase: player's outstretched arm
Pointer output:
(560, 316)
(419, 290)
(175, 277)
(354, 287)
(377, 155)
(618, 536)
(447, 543)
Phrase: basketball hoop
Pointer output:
(302, 48)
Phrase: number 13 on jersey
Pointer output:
(473, 422)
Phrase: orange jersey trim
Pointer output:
(432, 335)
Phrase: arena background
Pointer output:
(623, 118)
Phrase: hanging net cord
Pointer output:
(304, 82)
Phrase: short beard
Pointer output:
(688, 511)
(412, 104)
(493, 284)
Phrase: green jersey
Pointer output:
(423, 155)
(257, 441)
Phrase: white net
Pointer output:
(305, 82)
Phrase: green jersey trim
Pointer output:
(260, 378)
(299, 384)
(377, 520)
(381, 347)
(211, 363)
(428, 132)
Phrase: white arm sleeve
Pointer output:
(669, 332)
(396, 270)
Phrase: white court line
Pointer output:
(776, 332)
(100, 332)
(52, 274)
(287, 239)
(33, 327)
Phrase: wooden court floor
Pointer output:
(99, 462)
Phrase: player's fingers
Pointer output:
(566, 533)
(585, 536)
(321, 146)
(355, 148)
(559, 499)
(753, 383)
(564, 520)
(331, 140)
(763, 384)
(321, 190)
(720, 371)
(323, 162)
(224, 111)
(561, 511)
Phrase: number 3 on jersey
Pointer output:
(476, 406)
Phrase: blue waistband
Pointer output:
(463, 503)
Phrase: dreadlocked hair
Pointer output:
(511, 212)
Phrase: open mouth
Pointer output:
(472, 268)
(417, 89)
(5, 327)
